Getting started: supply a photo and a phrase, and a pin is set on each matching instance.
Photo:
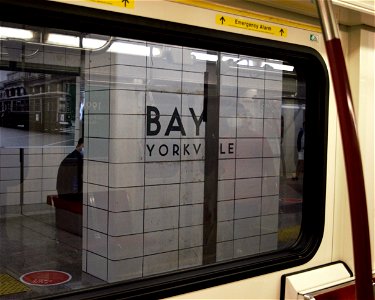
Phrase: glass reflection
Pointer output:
(153, 161)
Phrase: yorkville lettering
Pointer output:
(154, 128)
(173, 149)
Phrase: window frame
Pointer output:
(65, 16)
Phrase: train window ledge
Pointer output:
(317, 283)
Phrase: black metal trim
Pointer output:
(70, 17)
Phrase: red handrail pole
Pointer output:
(352, 155)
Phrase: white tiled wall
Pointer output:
(144, 212)
(40, 172)
(248, 187)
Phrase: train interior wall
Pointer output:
(358, 45)
(359, 49)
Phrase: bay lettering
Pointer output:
(153, 125)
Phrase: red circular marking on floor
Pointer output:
(45, 278)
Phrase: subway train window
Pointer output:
(125, 160)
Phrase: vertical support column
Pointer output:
(22, 163)
(82, 99)
(211, 109)
(352, 153)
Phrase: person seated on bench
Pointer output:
(70, 175)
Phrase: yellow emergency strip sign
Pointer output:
(119, 3)
(251, 25)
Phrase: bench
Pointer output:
(68, 214)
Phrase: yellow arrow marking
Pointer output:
(119, 3)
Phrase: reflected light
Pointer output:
(89, 43)
(73, 41)
(246, 62)
(204, 56)
(227, 58)
(133, 49)
(8, 32)
(276, 66)
(62, 39)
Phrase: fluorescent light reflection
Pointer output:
(204, 56)
(293, 106)
(8, 32)
(246, 62)
(228, 58)
(89, 43)
(279, 67)
(73, 41)
(62, 39)
(133, 49)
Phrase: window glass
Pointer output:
(189, 157)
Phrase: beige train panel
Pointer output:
(347, 12)
(240, 8)
(295, 13)
(302, 33)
